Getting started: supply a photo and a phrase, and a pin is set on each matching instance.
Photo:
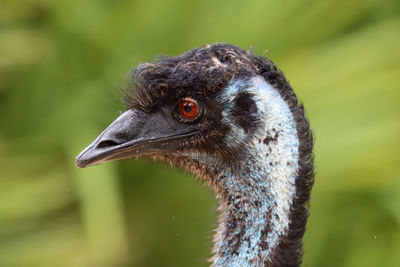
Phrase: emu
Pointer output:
(232, 119)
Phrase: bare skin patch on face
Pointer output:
(261, 191)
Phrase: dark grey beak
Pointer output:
(135, 133)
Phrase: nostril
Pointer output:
(107, 143)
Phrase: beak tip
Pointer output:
(80, 163)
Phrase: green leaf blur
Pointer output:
(63, 64)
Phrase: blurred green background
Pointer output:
(62, 67)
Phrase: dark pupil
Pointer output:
(188, 107)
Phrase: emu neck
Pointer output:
(257, 194)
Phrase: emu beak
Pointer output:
(134, 133)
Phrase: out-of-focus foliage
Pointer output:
(62, 64)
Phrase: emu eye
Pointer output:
(188, 108)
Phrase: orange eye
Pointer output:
(188, 108)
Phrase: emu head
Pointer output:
(198, 111)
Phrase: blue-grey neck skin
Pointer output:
(258, 192)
